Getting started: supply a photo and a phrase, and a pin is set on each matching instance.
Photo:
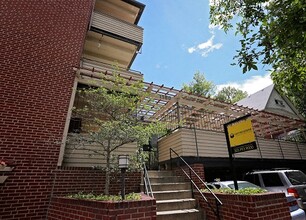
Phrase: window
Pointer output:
(253, 178)
(296, 177)
(75, 125)
(279, 102)
(271, 179)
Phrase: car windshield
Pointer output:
(296, 177)
(243, 185)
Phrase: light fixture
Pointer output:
(123, 161)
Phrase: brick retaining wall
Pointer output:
(72, 209)
(248, 207)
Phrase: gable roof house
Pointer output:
(270, 100)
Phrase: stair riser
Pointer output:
(167, 180)
(166, 187)
(175, 205)
(183, 186)
(160, 173)
(177, 195)
(189, 216)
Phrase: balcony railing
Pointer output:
(203, 143)
(106, 69)
(117, 28)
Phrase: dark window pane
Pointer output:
(271, 179)
(252, 178)
(296, 177)
(75, 125)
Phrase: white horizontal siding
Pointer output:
(118, 27)
(172, 141)
(99, 67)
(81, 156)
(213, 144)
(270, 148)
(209, 143)
(302, 148)
(289, 149)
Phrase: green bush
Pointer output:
(245, 191)
(101, 197)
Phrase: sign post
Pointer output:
(240, 137)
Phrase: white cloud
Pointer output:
(191, 49)
(212, 27)
(205, 48)
(161, 66)
(252, 85)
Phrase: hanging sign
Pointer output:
(240, 135)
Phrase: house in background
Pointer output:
(270, 100)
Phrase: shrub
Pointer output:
(101, 197)
(245, 191)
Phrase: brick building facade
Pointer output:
(41, 43)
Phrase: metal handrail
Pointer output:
(218, 201)
(147, 184)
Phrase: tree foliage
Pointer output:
(230, 94)
(109, 115)
(200, 86)
(274, 33)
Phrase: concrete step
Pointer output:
(175, 204)
(169, 186)
(172, 194)
(173, 197)
(190, 214)
(168, 179)
(158, 173)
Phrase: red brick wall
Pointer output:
(40, 43)
(248, 207)
(71, 209)
(74, 180)
(199, 170)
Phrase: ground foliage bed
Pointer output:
(101, 197)
(245, 191)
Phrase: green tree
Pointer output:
(273, 33)
(200, 86)
(109, 115)
(230, 94)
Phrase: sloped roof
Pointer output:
(257, 100)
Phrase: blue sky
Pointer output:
(178, 41)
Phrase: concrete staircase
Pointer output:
(173, 197)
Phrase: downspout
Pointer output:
(196, 140)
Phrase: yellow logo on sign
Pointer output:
(241, 133)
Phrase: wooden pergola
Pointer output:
(187, 110)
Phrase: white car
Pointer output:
(230, 184)
(295, 211)
(290, 182)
